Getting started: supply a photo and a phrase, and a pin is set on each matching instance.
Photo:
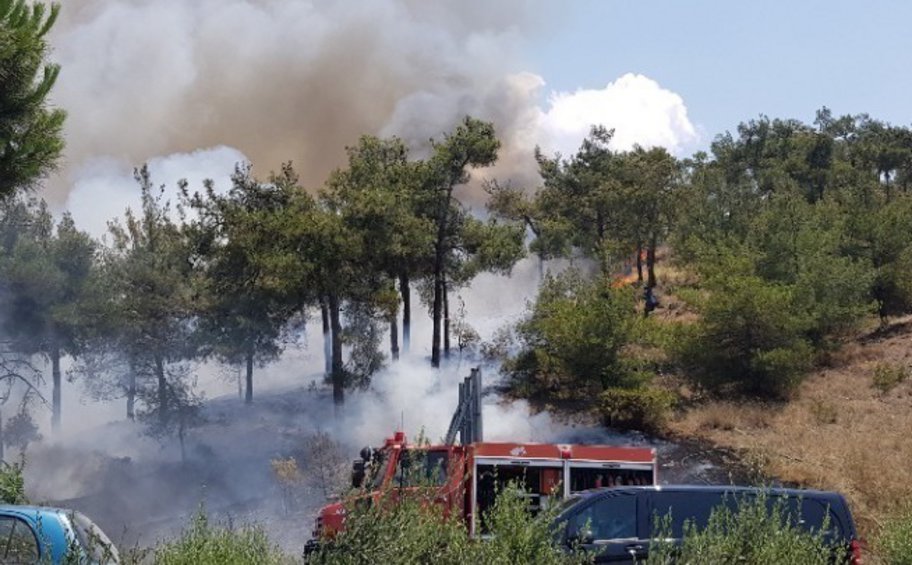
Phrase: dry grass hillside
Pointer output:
(849, 427)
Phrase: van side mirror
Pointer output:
(358, 473)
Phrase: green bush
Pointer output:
(894, 544)
(755, 532)
(12, 483)
(571, 340)
(415, 531)
(750, 338)
(643, 408)
(204, 544)
(887, 376)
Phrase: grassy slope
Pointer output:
(839, 432)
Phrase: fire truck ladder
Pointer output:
(467, 418)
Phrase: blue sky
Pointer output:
(731, 61)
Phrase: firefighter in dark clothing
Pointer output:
(650, 300)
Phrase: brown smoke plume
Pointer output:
(280, 79)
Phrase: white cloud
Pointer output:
(104, 187)
(637, 107)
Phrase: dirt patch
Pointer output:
(840, 432)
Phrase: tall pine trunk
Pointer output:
(162, 390)
(443, 214)
(436, 313)
(55, 376)
(650, 263)
(248, 395)
(446, 320)
(639, 263)
(394, 337)
(327, 335)
(406, 292)
(131, 394)
(2, 439)
(338, 376)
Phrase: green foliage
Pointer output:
(755, 532)
(894, 541)
(414, 530)
(148, 307)
(242, 316)
(46, 268)
(12, 483)
(571, 340)
(31, 137)
(644, 408)
(886, 376)
(606, 205)
(205, 544)
(749, 338)
(20, 430)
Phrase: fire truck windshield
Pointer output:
(419, 467)
(378, 470)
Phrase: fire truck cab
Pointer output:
(466, 477)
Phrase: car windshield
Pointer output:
(97, 547)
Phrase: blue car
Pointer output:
(35, 534)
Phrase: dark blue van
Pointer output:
(617, 524)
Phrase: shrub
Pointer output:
(571, 340)
(749, 338)
(205, 544)
(824, 412)
(755, 531)
(12, 483)
(895, 540)
(643, 408)
(887, 376)
(416, 531)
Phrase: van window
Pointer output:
(611, 517)
(696, 507)
(813, 512)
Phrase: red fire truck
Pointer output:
(466, 477)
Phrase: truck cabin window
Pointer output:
(420, 467)
(377, 470)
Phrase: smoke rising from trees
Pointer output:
(277, 79)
